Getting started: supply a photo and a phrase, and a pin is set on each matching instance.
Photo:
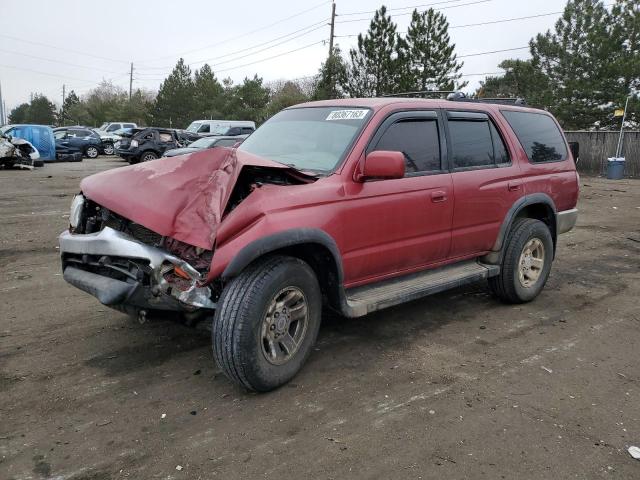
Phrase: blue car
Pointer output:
(40, 136)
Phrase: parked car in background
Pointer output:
(108, 140)
(357, 204)
(221, 127)
(113, 126)
(40, 136)
(147, 144)
(205, 143)
(186, 137)
(77, 139)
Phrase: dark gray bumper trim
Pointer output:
(108, 291)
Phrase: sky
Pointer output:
(78, 43)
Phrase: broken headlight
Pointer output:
(75, 214)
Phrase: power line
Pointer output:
(49, 74)
(409, 13)
(272, 57)
(399, 8)
(56, 61)
(316, 26)
(62, 48)
(243, 34)
(492, 51)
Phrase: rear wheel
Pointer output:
(266, 323)
(526, 263)
(91, 152)
(147, 156)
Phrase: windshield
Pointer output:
(314, 139)
(202, 143)
(193, 128)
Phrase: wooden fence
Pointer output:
(596, 147)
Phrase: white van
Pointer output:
(221, 127)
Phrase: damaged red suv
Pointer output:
(354, 205)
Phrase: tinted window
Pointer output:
(499, 150)
(113, 127)
(247, 130)
(471, 143)
(204, 128)
(419, 142)
(539, 136)
(128, 125)
(234, 131)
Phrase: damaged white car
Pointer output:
(18, 152)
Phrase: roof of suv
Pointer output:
(377, 103)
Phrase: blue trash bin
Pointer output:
(615, 168)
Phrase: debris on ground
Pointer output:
(179, 467)
(634, 452)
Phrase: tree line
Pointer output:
(582, 70)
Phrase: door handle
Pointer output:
(438, 196)
(514, 186)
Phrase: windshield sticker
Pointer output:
(347, 115)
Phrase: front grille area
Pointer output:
(97, 218)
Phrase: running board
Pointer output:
(369, 298)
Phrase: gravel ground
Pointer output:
(452, 386)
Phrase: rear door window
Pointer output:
(538, 134)
(475, 141)
(418, 140)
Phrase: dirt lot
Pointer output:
(453, 386)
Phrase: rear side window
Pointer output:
(128, 125)
(247, 130)
(418, 140)
(471, 143)
(539, 136)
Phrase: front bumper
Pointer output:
(85, 258)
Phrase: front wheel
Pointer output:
(92, 152)
(108, 149)
(526, 263)
(266, 323)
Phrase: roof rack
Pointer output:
(461, 97)
(457, 96)
(420, 93)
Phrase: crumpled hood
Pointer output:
(181, 197)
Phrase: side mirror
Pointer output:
(575, 151)
(382, 164)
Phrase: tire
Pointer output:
(91, 151)
(522, 279)
(248, 318)
(147, 156)
(108, 149)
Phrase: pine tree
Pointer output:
(625, 30)
(374, 67)
(427, 54)
(577, 59)
(19, 114)
(175, 102)
(69, 103)
(41, 111)
(208, 93)
(330, 78)
(283, 95)
(246, 101)
(520, 80)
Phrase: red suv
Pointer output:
(354, 205)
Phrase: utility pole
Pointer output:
(1, 107)
(130, 81)
(333, 24)
(64, 91)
